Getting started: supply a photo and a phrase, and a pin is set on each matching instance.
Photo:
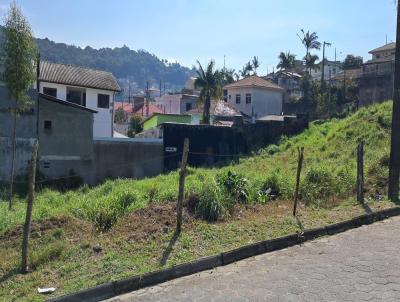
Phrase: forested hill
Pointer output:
(123, 62)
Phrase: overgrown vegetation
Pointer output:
(133, 220)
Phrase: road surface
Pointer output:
(359, 265)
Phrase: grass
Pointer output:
(133, 220)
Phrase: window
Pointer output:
(248, 98)
(188, 106)
(50, 91)
(238, 99)
(229, 96)
(103, 101)
(47, 125)
(225, 95)
(76, 96)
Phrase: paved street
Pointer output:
(359, 265)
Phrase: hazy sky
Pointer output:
(187, 30)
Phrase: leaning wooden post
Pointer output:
(299, 166)
(182, 175)
(28, 218)
(360, 172)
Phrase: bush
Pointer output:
(192, 201)
(319, 185)
(272, 149)
(271, 186)
(105, 212)
(235, 185)
(211, 205)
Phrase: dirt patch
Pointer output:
(150, 222)
(38, 228)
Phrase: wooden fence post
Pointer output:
(181, 193)
(360, 172)
(28, 218)
(299, 166)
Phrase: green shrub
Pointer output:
(236, 185)
(318, 186)
(211, 205)
(272, 186)
(104, 212)
(272, 149)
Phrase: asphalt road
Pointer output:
(359, 265)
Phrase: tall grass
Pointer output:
(329, 171)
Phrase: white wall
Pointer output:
(103, 119)
(263, 101)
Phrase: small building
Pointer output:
(177, 103)
(254, 96)
(377, 75)
(289, 81)
(93, 89)
(331, 69)
(159, 118)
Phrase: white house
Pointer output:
(94, 89)
(255, 97)
(331, 69)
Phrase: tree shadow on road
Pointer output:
(169, 248)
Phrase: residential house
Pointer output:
(177, 103)
(255, 97)
(289, 81)
(377, 75)
(93, 89)
(331, 69)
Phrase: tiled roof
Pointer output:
(389, 46)
(77, 76)
(146, 112)
(254, 81)
(128, 108)
(65, 103)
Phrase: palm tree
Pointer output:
(286, 61)
(209, 82)
(310, 41)
(255, 64)
(310, 61)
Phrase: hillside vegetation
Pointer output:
(139, 66)
(249, 200)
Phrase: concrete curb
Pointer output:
(112, 289)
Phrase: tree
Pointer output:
(394, 165)
(255, 64)
(19, 73)
(310, 61)
(352, 62)
(310, 41)
(120, 116)
(227, 76)
(135, 125)
(286, 61)
(208, 82)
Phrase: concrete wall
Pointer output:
(103, 124)
(133, 158)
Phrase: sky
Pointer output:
(187, 30)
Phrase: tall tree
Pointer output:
(352, 61)
(310, 41)
(255, 64)
(209, 83)
(20, 51)
(286, 60)
(394, 166)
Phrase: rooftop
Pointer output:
(77, 76)
(65, 103)
(254, 81)
(390, 46)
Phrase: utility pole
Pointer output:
(394, 166)
(323, 62)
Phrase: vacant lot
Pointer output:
(124, 227)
